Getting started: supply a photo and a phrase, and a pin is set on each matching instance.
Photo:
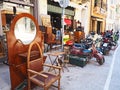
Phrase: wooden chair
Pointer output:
(36, 72)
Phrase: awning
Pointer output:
(56, 9)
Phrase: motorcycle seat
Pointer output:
(87, 51)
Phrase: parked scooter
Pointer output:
(115, 40)
(105, 46)
(106, 43)
(100, 43)
(109, 42)
(80, 50)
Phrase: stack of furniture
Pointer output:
(49, 38)
(78, 35)
(22, 59)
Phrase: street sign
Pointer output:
(64, 3)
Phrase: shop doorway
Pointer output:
(6, 20)
(9, 18)
(92, 26)
(55, 20)
(98, 27)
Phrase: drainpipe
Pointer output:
(90, 14)
(1, 31)
(35, 9)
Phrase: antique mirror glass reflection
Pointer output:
(25, 30)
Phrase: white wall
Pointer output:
(42, 6)
(82, 14)
(112, 21)
(42, 9)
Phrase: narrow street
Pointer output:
(115, 82)
(30, 30)
(93, 76)
(90, 77)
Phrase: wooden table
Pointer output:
(58, 60)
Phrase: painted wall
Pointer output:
(42, 9)
(99, 14)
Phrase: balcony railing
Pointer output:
(99, 10)
(80, 1)
(100, 7)
(22, 2)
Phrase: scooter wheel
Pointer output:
(101, 61)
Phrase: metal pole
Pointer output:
(62, 31)
(1, 30)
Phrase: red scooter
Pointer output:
(80, 50)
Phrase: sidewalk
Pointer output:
(90, 77)
(4, 77)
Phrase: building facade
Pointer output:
(98, 15)
(117, 16)
(10, 8)
(73, 13)
(91, 13)
(111, 13)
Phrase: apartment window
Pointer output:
(95, 3)
(112, 1)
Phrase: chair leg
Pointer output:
(45, 88)
(29, 87)
(58, 84)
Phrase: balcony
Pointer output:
(100, 4)
(102, 11)
(80, 1)
(96, 10)
(99, 10)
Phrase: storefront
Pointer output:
(11, 8)
(97, 24)
(98, 16)
(55, 12)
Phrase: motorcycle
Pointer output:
(80, 50)
(115, 40)
(105, 46)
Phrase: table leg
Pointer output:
(52, 63)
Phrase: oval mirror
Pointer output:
(25, 30)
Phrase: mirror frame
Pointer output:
(25, 30)
(22, 15)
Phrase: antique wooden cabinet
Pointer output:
(24, 30)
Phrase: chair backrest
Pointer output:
(35, 64)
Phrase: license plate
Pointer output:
(105, 44)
